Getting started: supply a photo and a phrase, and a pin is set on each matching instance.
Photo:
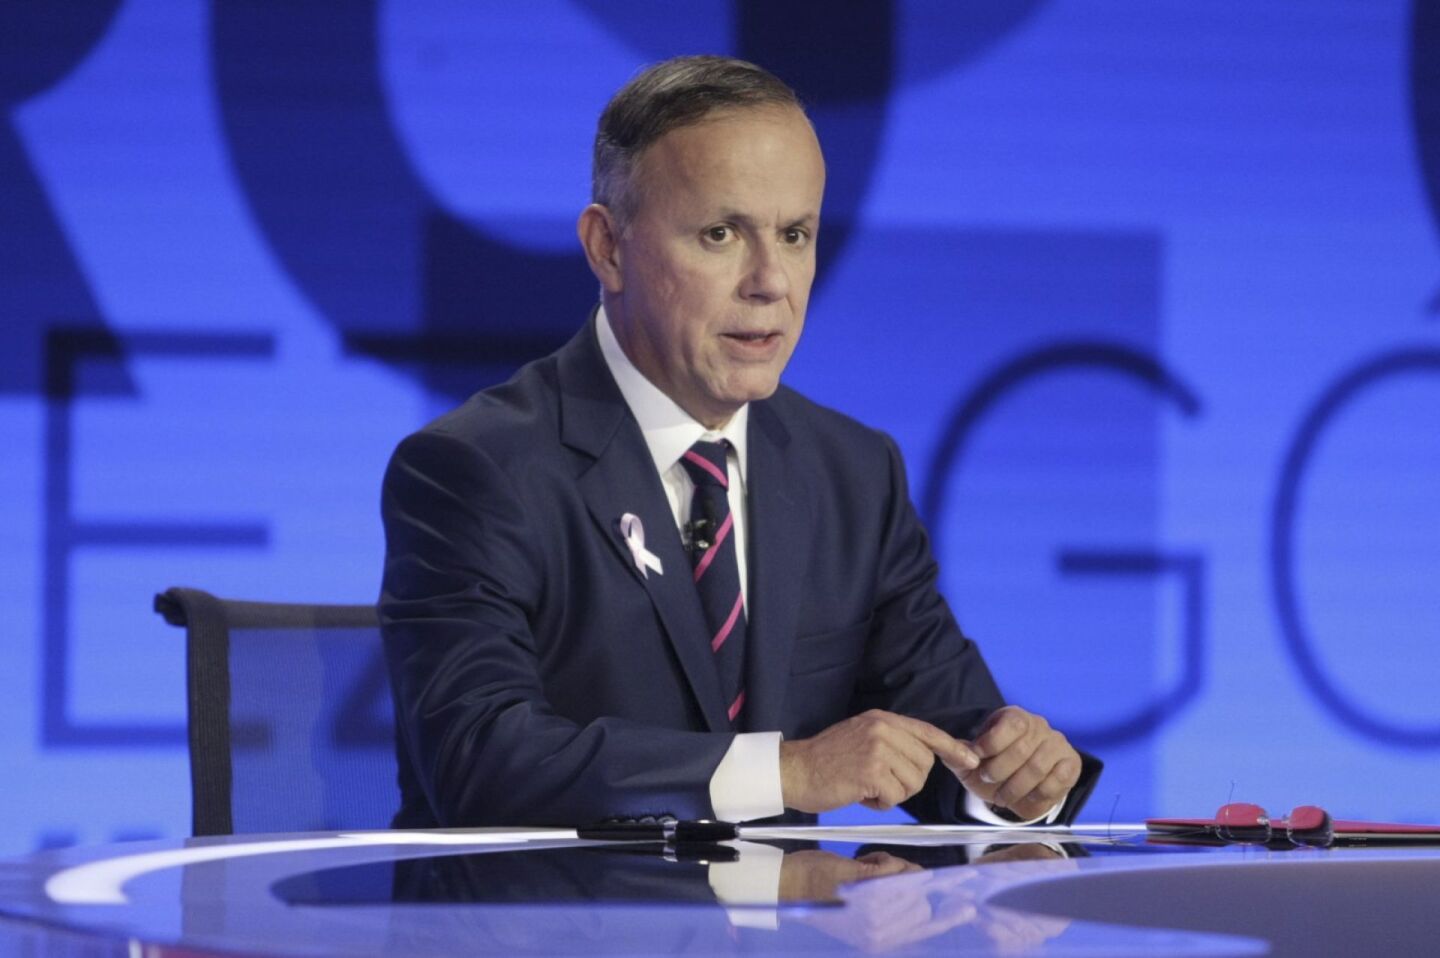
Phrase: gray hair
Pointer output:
(663, 97)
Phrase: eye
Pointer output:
(795, 236)
(719, 233)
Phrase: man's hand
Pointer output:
(1026, 766)
(812, 875)
(876, 758)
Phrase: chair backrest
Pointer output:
(290, 718)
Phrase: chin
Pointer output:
(736, 391)
(756, 393)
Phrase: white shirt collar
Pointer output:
(668, 429)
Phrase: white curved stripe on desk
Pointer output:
(103, 882)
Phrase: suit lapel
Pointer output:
(780, 536)
(618, 477)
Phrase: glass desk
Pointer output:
(831, 891)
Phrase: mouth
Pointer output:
(756, 338)
(759, 346)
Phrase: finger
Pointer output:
(977, 786)
(1002, 729)
(886, 790)
(1002, 766)
(952, 751)
(1028, 776)
(1033, 852)
(1056, 785)
(883, 864)
(899, 735)
(1037, 768)
(912, 777)
(890, 752)
(895, 790)
(1054, 769)
(890, 787)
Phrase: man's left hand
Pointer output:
(1025, 765)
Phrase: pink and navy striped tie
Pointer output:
(717, 571)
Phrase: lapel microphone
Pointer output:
(698, 534)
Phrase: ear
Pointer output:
(600, 238)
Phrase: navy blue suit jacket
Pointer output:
(539, 678)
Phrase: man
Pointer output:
(643, 579)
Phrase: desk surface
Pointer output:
(536, 892)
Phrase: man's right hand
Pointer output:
(877, 758)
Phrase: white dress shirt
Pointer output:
(746, 783)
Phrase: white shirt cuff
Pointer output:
(753, 880)
(746, 783)
(976, 808)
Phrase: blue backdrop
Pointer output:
(1146, 291)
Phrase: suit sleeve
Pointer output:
(919, 663)
(463, 578)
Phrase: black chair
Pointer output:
(291, 723)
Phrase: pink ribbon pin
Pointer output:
(634, 532)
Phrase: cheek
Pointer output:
(800, 287)
(701, 302)
(679, 281)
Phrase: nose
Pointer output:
(767, 277)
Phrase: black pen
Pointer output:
(671, 833)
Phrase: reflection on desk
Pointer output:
(639, 872)
(542, 892)
(840, 894)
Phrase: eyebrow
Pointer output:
(743, 219)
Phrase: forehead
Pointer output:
(768, 152)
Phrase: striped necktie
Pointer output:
(717, 570)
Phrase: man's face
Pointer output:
(715, 266)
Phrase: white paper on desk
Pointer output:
(942, 834)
